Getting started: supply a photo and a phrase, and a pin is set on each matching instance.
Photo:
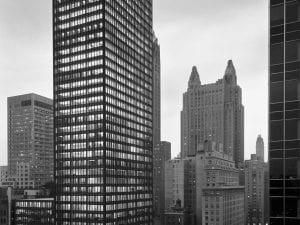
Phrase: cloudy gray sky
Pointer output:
(191, 32)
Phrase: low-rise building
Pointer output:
(20, 180)
(5, 179)
(23, 178)
(37, 211)
(217, 187)
(210, 176)
(179, 216)
(180, 183)
(4, 203)
(223, 206)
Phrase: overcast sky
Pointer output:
(190, 32)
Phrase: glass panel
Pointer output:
(276, 221)
(277, 30)
(295, 114)
(277, 39)
(292, 12)
(290, 27)
(293, 36)
(292, 51)
(276, 15)
(276, 207)
(277, 68)
(276, 92)
(274, 2)
(292, 129)
(276, 116)
(292, 168)
(276, 192)
(292, 75)
(276, 77)
(276, 154)
(292, 207)
(292, 105)
(292, 183)
(276, 168)
(276, 53)
(293, 221)
(291, 66)
(292, 144)
(276, 183)
(292, 90)
(276, 130)
(292, 192)
(276, 145)
(294, 153)
(276, 107)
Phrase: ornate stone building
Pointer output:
(213, 111)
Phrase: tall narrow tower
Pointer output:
(260, 148)
(156, 93)
(103, 88)
(284, 121)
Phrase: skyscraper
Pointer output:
(156, 92)
(213, 111)
(161, 153)
(30, 138)
(260, 148)
(162, 149)
(103, 87)
(284, 123)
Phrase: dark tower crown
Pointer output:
(194, 80)
(230, 73)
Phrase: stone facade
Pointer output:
(213, 111)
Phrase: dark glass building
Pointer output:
(103, 83)
(284, 108)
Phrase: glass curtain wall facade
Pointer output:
(284, 108)
(103, 111)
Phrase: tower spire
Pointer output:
(194, 78)
(230, 73)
